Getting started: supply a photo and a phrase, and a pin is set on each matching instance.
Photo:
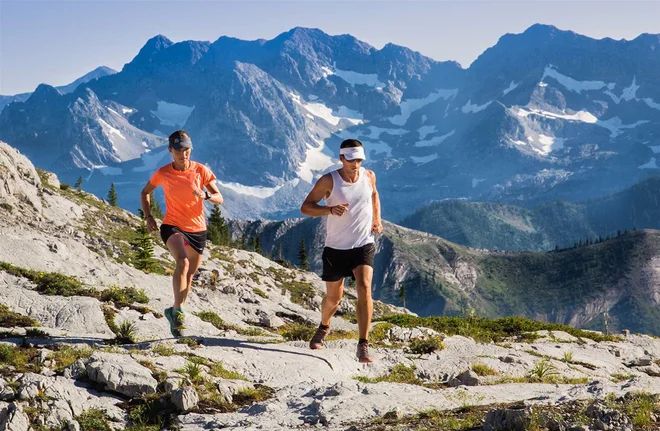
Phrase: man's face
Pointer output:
(181, 156)
(351, 166)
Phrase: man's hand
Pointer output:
(199, 193)
(377, 226)
(151, 224)
(339, 210)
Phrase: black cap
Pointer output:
(180, 142)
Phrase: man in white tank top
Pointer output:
(351, 201)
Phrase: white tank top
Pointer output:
(353, 229)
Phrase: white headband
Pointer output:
(353, 153)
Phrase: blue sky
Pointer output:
(58, 41)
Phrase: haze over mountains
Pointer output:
(540, 116)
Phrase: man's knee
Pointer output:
(333, 300)
(363, 287)
(182, 264)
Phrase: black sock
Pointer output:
(324, 327)
(362, 340)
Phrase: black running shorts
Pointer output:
(196, 240)
(338, 264)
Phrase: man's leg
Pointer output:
(335, 290)
(195, 260)
(365, 306)
(177, 248)
(329, 305)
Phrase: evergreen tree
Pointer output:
(302, 256)
(257, 245)
(278, 253)
(618, 233)
(154, 206)
(144, 254)
(112, 195)
(78, 184)
(243, 244)
(218, 230)
(402, 294)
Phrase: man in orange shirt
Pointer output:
(184, 226)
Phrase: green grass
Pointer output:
(423, 346)
(218, 370)
(487, 330)
(67, 355)
(302, 292)
(93, 420)
(260, 292)
(217, 321)
(192, 343)
(297, 331)
(400, 373)
(9, 319)
(126, 333)
(21, 359)
(620, 377)
(50, 283)
(483, 370)
(164, 350)
(124, 297)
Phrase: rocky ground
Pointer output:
(84, 344)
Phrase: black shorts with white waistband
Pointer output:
(196, 240)
(338, 264)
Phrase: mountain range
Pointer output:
(541, 116)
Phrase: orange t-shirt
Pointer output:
(183, 209)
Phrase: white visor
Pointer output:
(353, 153)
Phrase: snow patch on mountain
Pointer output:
(411, 105)
(434, 141)
(549, 144)
(473, 109)
(476, 181)
(172, 114)
(425, 130)
(510, 88)
(573, 84)
(628, 94)
(377, 147)
(258, 191)
(316, 160)
(320, 110)
(375, 132)
(356, 78)
(650, 165)
(424, 159)
(651, 103)
(151, 160)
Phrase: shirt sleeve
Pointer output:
(156, 179)
(207, 175)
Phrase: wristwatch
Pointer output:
(207, 195)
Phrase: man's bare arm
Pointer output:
(377, 226)
(321, 190)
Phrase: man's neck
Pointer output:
(349, 178)
(181, 167)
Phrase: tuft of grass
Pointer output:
(641, 406)
(568, 357)
(164, 350)
(542, 370)
(217, 321)
(218, 370)
(14, 356)
(483, 370)
(124, 297)
(422, 346)
(400, 373)
(126, 333)
(486, 330)
(67, 355)
(252, 395)
(619, 377)
(193, 371)
(50, 283)
(297, 331)
(93, 420)
(260, 292)
(9, 319)
(302, 292)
